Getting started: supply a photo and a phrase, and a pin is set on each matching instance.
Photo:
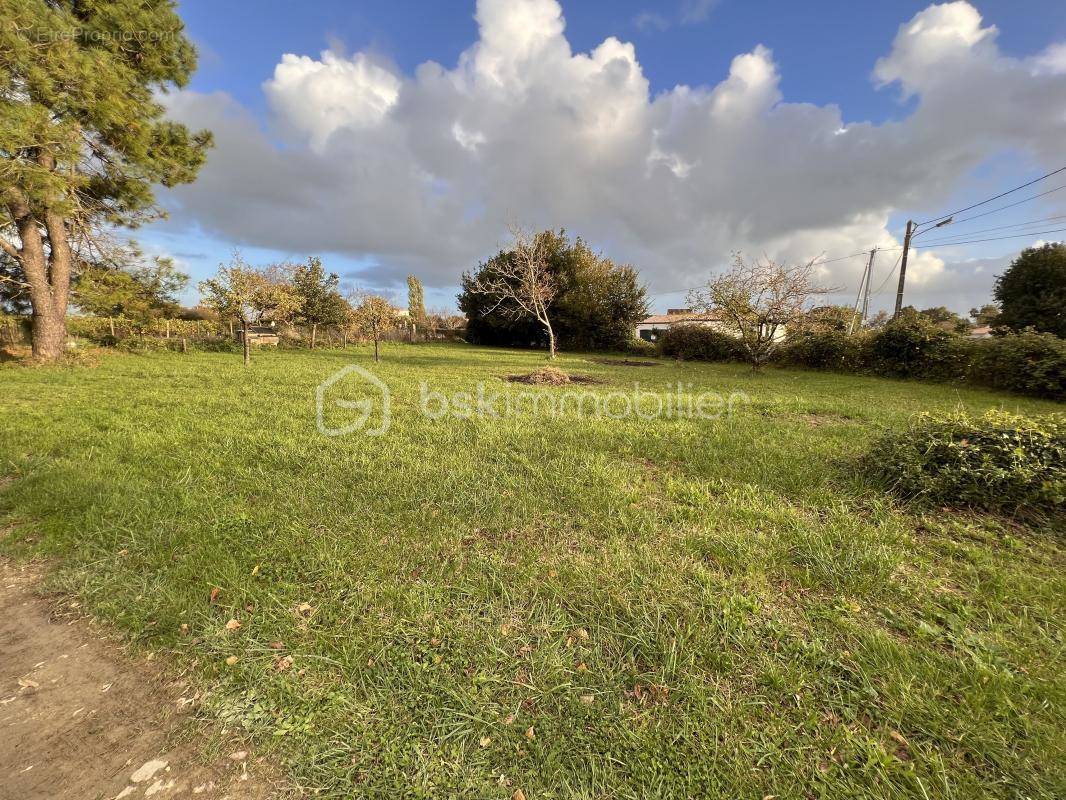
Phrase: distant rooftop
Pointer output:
(675, 315)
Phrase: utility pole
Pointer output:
(903, 267)
(866, 294)
(863, 294)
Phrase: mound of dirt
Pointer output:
(551, 376)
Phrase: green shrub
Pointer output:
(1028, 363)
(139, 343)
(639, 347)
(832, 350)
(997, 461)
(911, 346)
(699, 343)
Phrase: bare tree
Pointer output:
(758, 300)
(522, 284)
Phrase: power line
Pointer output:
(1009, 205)
(995, 197)
(1012, 225)
(891, 272)
(927, 245)
(840, 258)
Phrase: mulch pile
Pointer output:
(552, 376)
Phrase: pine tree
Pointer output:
(84, 138)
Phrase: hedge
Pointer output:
(911, 346)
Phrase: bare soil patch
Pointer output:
(80, 719)
(552, 376)
(625, 362)
(819, 419)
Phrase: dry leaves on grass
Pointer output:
(283, 663)
(648, 694)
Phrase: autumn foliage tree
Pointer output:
(373, 315)
(252, 296)
(83, 138)
(757, 300)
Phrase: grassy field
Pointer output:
(562, 605)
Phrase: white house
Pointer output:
(651, 327)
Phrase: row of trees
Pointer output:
(301, 294)
(546, 289)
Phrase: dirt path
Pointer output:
(79, 719)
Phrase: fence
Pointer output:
(180, 333)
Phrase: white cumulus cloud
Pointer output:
(423, 171)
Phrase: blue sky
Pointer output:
(826, 49)
(824, 54)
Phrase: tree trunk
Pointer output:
(247, 343)
(314, 333)
(48, 275)
(344, 340)
(376, 356)
(49, 335)
(551, 341)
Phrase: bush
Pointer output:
(998, 461)
(912, 346)
(1029, 363)
(700, 343)
(832, 350)
(639, 347)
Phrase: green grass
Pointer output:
(671, 608)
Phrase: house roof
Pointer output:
(981, 330)
(669, 319)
